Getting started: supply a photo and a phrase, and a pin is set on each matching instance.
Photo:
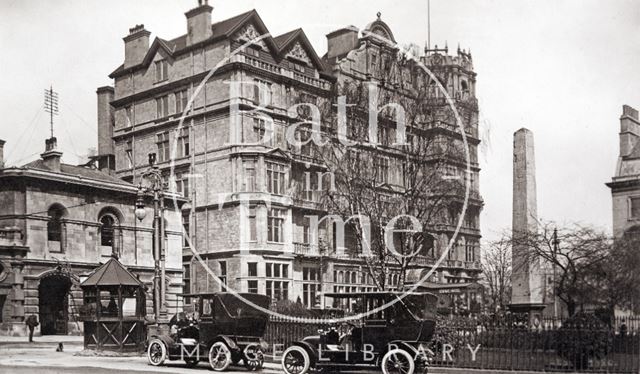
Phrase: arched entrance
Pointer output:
(53, 295)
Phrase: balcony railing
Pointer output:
(306, 249)
(297, 156)
(11, 236)
(475, 265)
(260, 64)
(281, 71)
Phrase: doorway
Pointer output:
(53, 293)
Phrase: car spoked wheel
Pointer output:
(398, 361)
(219, 356)
(295, 360)
(156, 352)
(253, 357)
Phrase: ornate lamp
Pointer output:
(140, 210)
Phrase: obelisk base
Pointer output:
(532, 313)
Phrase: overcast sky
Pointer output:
(560, 68)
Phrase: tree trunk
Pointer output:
(571, 307)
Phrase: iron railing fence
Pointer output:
(505, 344)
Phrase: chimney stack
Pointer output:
(51, 155)
(136, 45)
(2, 154)
(199, 23)
(341, 42)
(629, 130)
(105, 120)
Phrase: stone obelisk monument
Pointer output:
(526, 279)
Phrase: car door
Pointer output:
(375, 330)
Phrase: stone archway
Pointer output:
(53, 296)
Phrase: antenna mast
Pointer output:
(51, 105)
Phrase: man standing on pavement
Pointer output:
(31, 322)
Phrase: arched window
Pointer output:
(354, 278)
(464, 86)
(110, 220)
(428, 247)
(452, 251)
(54, 226)
(106, 230)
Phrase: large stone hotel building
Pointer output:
(227, 178)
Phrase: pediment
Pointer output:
(298, 53)
(249, 33)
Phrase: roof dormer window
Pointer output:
(253, 52)
(162, 70)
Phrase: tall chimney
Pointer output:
(629, 130)
(136, 45)
(105, 120)
(341, 42)
(2, 154)
(199, 23)
(51, 156)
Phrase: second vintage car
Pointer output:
(392, 337)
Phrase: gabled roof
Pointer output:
(287, 39)
(112, 273)
(225, 29)
(80, 171)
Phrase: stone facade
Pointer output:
(207, 155)
(58, 222)
(625, 184)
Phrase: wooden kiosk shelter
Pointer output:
(114, 309)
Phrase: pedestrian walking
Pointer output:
(31, 322)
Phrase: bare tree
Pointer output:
(616, 281)
(496, 273)
(385, 175)
(579, 255)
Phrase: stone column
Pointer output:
(18, 328)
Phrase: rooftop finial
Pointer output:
(379, 15)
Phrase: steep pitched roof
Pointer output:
(287, 39)
(112, 273)
(81, 171)
(224, 30)
(229, 26)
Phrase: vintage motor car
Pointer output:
(394, 338)
(226, 331)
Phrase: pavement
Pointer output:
(19, 356)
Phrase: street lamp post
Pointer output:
(156, 189)
(555, 243)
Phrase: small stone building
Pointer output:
(625, 184)
(58, 222)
